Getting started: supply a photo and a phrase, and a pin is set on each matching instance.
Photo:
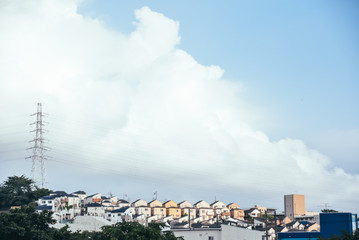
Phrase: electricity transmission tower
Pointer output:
(38, 168)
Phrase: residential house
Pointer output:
(282, 229)
(74, 200)
(157, 208)
(123, 203)
(293, 225)
(311, 227)
(252, 213)
(244, 224)
(106, 203)
(263, 210)
(61, 198)
(113, 200)
(175, 212)
(201, 204)
(169, 204)
(237, 213)
(205, 213)
(232, 206)
(41, 208)
(140, 219)
(262, 222)
(172, 209)
(94, 198)
(70, 207)
(80, 194)
(185, 204)
(187, 209)
(220, 209)
(120, 215)
(95, 209)
(63, 206)
(204, 210)
(143, 210)
(158, 211)
(50, 201)
(139, 202)
(155, 203)
(218, 205)
(282, 219)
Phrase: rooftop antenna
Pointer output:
(155, 195)
(326, 205)
(38, 168)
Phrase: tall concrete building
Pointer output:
(294, 205)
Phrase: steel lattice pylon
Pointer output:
(38, 157)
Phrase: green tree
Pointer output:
(25, 223)
(19, 191)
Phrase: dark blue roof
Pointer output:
(92, 195)
(79, 192)
(48, 197)
(93, 205)
(71, 195)
(43, 207)
(121, 210)
(305, 222)
(59, 193)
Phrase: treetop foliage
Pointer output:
(19, 191)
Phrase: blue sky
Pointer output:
(298, 60)
(213, 98)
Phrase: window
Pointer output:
(43, 201)
(50, 201)
(210, 238)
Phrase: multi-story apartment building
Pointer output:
(294, 205)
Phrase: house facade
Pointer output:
(139, 202)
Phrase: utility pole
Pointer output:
(275, 224)
(189, 218)
(38, 168)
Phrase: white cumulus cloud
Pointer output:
(138, 104)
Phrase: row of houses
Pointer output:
(68, 206)
(98, 205)
(182, 215)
